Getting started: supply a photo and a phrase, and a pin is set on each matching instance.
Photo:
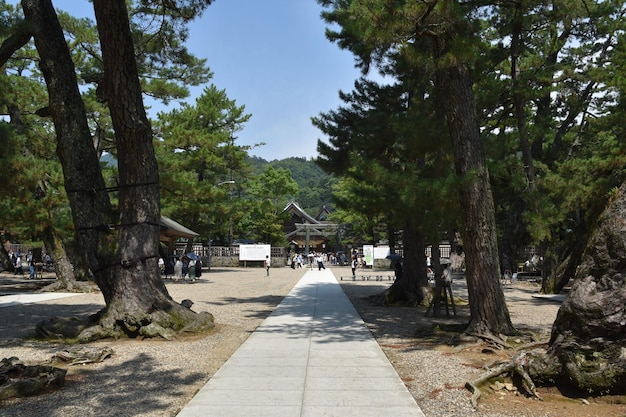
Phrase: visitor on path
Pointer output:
(398, 270)
(353, 265)
(30, 261)
(18, 265)
(178, 270)
(198, 268)
(320, 262)
(191, 270)
(267, 265)
(162, 266)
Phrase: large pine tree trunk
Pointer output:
(489, 313)
(84, 184)
(413, 286)
(125, 264)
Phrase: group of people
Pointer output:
(19, 261)
(296, 260)
(181, 268)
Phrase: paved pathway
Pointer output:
(28, 298)
(313, 356)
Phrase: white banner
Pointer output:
(254, 252)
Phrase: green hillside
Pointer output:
(314, 185)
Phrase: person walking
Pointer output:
(161, 266)
(353, 265)
(268, 262)
(178, 270)
(320, 262)
(30, 261)
(191, 270)
(18, 265)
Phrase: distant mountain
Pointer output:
(314, 185)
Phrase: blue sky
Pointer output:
(272, 57)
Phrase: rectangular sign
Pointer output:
(254, 252)
(368, 254)
(381, 252)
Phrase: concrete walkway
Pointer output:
(313, 356)
(28, 298)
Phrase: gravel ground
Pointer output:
(423, 351)
(157, 378)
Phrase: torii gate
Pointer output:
(304, 229)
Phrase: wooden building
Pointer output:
(307, 233)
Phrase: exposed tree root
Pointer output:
(515, 367)
(75, 286)
(472, 386)
(82, 355)
(120, 324)
(493, 340)
(20, 380)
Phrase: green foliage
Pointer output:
(32, 195)
(159, 32)
(314, 185)
(567, 59)
(196, 151)
(268, 194)
(386, 144)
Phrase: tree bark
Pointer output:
(7, 265)
(66, 278)
(124, 265)
(412, 286)
(84, 184)
(519, 101)
(588, 342)
(489, 313)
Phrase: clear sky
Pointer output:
(272, 57)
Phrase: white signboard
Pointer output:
(254, 252)
(368, 254)
(381, 252)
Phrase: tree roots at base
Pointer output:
(106, 324)
(514, 367)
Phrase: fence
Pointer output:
(228, 256)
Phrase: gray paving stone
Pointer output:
(312, 357)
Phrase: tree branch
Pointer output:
(20, 38)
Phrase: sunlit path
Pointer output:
(313, 356)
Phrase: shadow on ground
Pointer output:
(142, 380)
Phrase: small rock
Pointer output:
(497, 386)
(510, 387)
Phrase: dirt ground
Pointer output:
(410, 333)
(554, 401)
(404, 333)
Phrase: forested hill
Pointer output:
(314, 185)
